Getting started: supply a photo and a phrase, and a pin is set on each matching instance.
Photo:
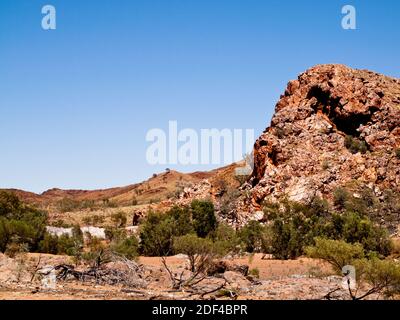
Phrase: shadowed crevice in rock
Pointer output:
(331, 107)
(350, 125)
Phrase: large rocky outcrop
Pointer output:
(303, 152)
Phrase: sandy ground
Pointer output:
(295, 279)
(268, 268)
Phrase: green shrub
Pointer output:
(387, 212)
(200, 251)
(181, 220)
(96, 252)
(340, 197)
(255, 272)
(355, 145)
(68, 205)
(13, 249)
(119, 219)
(4, 235)
(19, 223)
(226, 238)
(94, 220)
(65, 244)
(60, 224)
(107, 203)
(397, 153)
(49, 244)
(353, 228)
(338, 253)
(382, 276)
(325, 164)
(365, 203)
(127, 248)
(115, 234)
(251, 236)
(87, 204)
(203, 216)
(69, 245)
(289, 238)
(10, 204)
(317, 208)
(294, 226)
(158, 230)
(156, 236)
(357, 229)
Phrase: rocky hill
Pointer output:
(334, 126)
(167, 188)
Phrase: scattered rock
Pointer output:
(237, 280)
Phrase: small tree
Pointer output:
(294, 226)
(64, 244)
(20, 223)
(357, 229)
(204, 219)
(181, 219)
(338, 253)
(156, 235)
(251, 236)
(200, 251)
(97, 254)
(382, 276)
(225, 238)
(127, 248)
(49, 244)
(159, 229)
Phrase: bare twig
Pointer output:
(214, 290)
(328, 296)
(176, 283)
(36, 267)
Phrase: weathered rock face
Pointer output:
(303, 152)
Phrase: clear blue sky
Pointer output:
(77, 102)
